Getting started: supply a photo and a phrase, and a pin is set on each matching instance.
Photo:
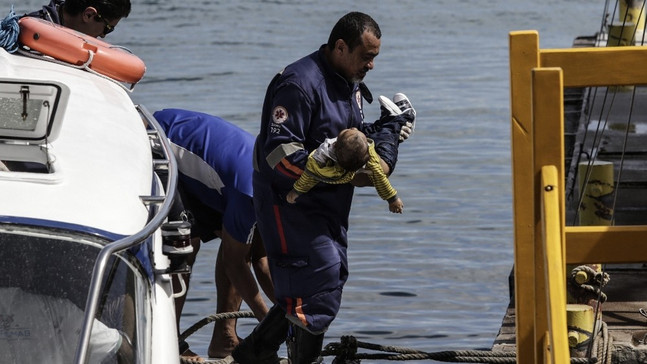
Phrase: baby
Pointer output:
(337, 160)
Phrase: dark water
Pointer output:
(434, 278)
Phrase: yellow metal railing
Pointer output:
(543, 244)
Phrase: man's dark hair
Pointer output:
(351, 151)
(350, 29)
(109, 9)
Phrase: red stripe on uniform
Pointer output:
(289, 169)
(279, 228)
(295, 169)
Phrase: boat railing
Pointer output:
(153, 224)
(543, 242)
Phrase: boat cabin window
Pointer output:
(45, 280)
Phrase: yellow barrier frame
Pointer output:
(543, 244)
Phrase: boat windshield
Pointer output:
(45, 279)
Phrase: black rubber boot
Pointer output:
(262, 345)
(304, 347)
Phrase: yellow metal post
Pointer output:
(628, 29)
(621, 35)
(624, 33)
(557, 348)
(524, 56)
(596, 191)
(581, 320)
(632, 11)
(548, 136)
(596, 186)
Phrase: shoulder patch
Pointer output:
(279, 114)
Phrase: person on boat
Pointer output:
(214, 160)
(310, 100)
(96, 18)
(336, 161)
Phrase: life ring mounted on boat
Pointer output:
(68, 45)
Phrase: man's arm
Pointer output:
(286, 128)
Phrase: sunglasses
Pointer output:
(107, 29)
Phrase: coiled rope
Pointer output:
(596, 280)
(345, 351)
(602, 345)
(9, 30)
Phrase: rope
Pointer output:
(596, 279)
(605, 350)
(346, 351)
(184, 360)
(9, 30)
(207, 320)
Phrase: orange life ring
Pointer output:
(68, 45)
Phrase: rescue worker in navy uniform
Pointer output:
(312, 99)
(214, 159)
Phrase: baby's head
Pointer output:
(351, 149)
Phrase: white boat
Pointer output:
(85, 276)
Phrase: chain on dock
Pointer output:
(345, 351)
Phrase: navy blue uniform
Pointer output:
(49, 12)
(306, 242)
(214, 160)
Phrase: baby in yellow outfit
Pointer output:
(337, 160)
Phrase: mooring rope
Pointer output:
(219, 316)
(604, 344)
(205, 321)
(345, 351)
(185, 360)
